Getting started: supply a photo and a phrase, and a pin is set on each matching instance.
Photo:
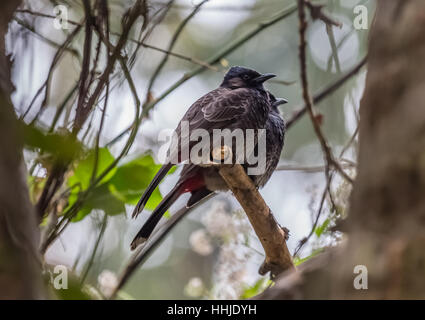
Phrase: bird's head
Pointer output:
(275, 102)
(241, 77)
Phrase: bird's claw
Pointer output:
(286, 231)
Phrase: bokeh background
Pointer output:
(212, 253)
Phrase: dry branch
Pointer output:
(316, 12)
(271, 235)
(329, 158)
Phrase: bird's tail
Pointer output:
(156, 215)
(197, 196)
(148, 192)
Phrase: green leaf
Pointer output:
(35, 186)
(322, 228)
(84, 170)
(298, 261)
(81, 214)
(132, 197)
(135, 175)
(132, 179)
(124, 184)
(101, 198)
(154, 200)
(63, 146)
(256, 289)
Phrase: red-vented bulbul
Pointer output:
(241, 102)
(275, 139)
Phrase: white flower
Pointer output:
(194, 288)
(217, 221)
(107, 281)
(201, 242)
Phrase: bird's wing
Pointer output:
(218, 109)
(220, 105)
(228, 107)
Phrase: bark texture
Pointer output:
(20, 275)
(387, 208)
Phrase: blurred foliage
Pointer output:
(320, 229)
(60, 147)
(65, 285)
(84, 169)
(123, 184)
(298, 261)
(256, 289)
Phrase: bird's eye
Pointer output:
(245, 77)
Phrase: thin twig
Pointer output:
(45, 85)
(334, 48)
(345, 148)
(223, 7)
(141, 255)
(322, 94)
(161, 13)
(213, 60)
(316, 221)
(84, 82)
(70, 213)
(62, 106)
(95, 248)
(141, 43)
(329, 158)
(177, 55)
(316, 12)
(173, 41)
(44, 15)
(327, 191)
(50, 42)
(309, 169)
(340, 44)
(221, 54)
(131, 18)
(105, 19)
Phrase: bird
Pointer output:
(275, 138)
(275, 126)
(240, 102)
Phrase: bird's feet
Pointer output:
(286, 231)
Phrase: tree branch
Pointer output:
(329, 158)
(174, 39)
(271, 235)
(317, 98)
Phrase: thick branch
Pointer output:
(272, 236)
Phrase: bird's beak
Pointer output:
(280, 101)
(264, 77)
